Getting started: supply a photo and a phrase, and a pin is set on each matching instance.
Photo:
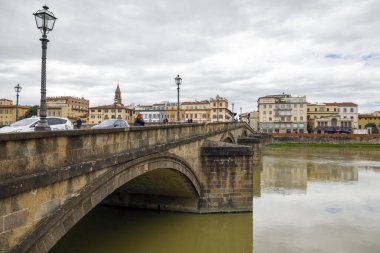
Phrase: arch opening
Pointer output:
(228, 140)
(161, 189)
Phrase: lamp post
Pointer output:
(178, 81)
(217, 108)
(17, 90)
(115, 102)
(233, 115)
(45, 20)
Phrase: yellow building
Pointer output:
(316, 111)
(68, 107)
(206, 111)
(171, 113)
(220, 111)
(365, 119)
(198, 112)
(8, 112)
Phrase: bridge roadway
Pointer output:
(50, 180)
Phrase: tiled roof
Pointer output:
(368, 116)
(342, 104)
(112, 106)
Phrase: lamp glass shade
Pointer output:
(178, 80)
(45, 19)
(18, 88)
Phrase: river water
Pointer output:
(306, 200)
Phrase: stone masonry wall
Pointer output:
(227, 169)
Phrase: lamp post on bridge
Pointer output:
(115, 102)
(178, 81)
(45, 21)
(17, 90)
(217, 108)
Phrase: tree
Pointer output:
(32, 111)
(375, 130)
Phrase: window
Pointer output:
(344, 109)
(301, 118)
(351, 109)
(295, 118)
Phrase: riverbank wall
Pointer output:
(323, 139)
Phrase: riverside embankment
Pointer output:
(324, 139)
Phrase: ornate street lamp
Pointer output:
(115, 102)
(17, 90)
(217, 108)
(45, 21)
(178, 81)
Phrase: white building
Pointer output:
(348, 110)
(151, 113)
(282, 114)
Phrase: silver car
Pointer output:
(112, 123)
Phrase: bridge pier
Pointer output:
(227, 183)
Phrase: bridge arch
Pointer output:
(228, 137)
(50, 230)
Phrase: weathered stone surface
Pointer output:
(15, 219)
(4, 242)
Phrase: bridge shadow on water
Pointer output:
(112, 230)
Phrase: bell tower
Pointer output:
(117, 99)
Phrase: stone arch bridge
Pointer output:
(50, 180)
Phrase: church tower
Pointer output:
(118, 96)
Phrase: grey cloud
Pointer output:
(239, 49)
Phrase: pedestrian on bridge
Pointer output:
(139, 121)
(79, 123)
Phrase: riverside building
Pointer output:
(8, 112)
(282, 114)
(68, 107)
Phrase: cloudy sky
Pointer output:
(327, 50)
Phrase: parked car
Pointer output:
(112, 123)
(28, 124)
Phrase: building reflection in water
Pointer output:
(287, 174)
